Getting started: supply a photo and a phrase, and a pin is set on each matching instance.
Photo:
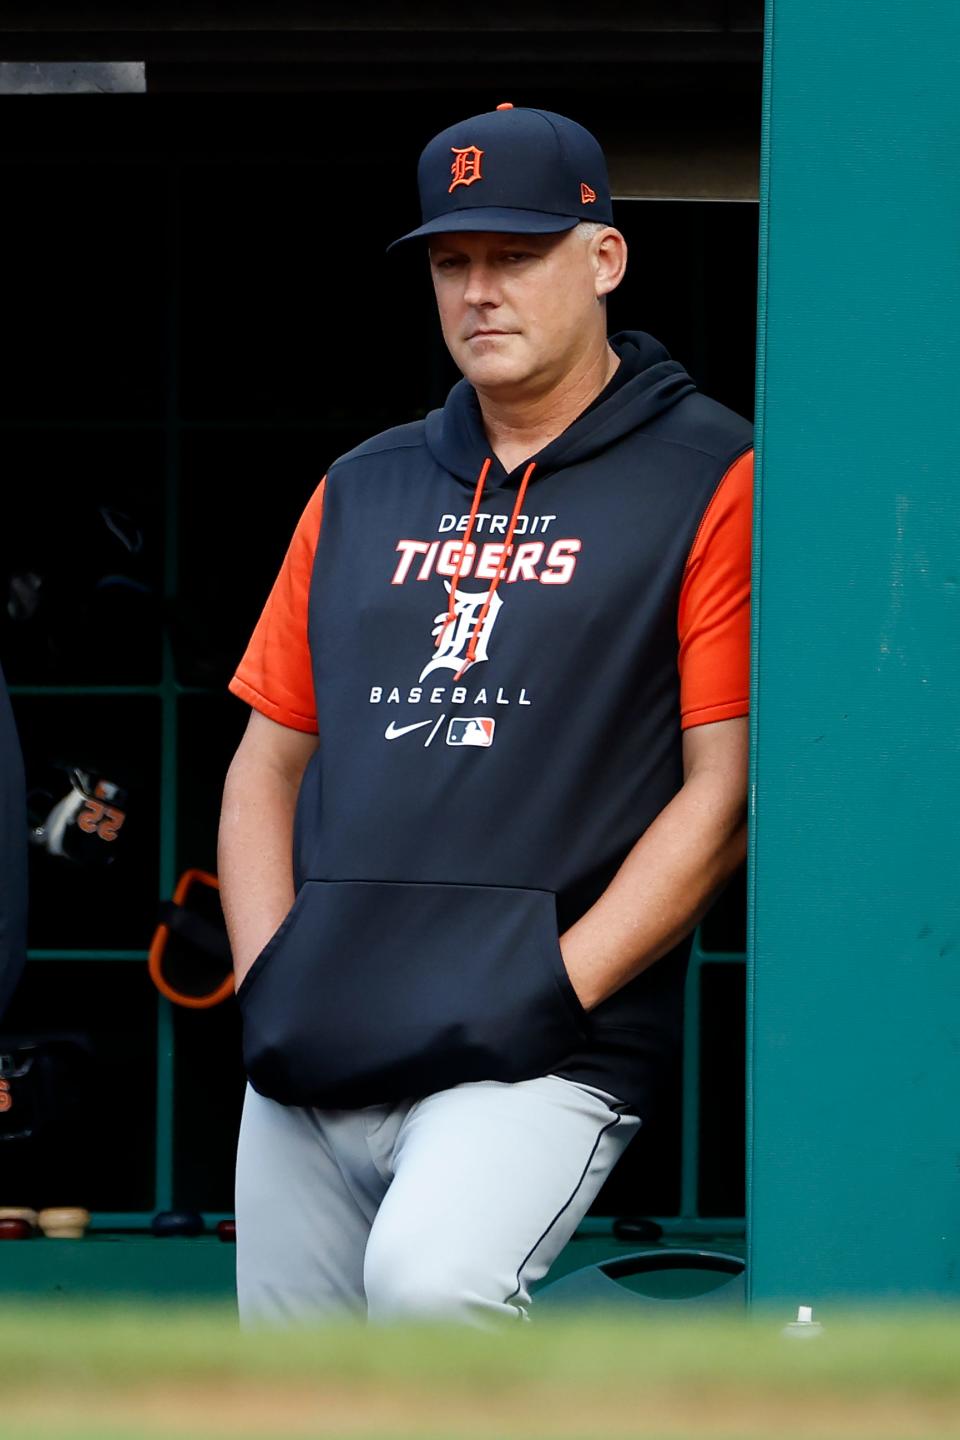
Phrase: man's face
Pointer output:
(516, 310)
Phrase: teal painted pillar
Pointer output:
(854, 924)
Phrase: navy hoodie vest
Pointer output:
(460, 813)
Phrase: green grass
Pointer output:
(638, 1376)
(108, 1344)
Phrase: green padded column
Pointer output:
(854, 1163)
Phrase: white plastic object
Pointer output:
(804, 1327)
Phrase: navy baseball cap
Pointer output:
(512, 170)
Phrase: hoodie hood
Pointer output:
(457, 440)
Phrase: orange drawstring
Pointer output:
(478, 627)
(451, 609)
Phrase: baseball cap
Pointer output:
(512, 170)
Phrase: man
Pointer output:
(461, 912)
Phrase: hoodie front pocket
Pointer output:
(268, 949)
(373, 991)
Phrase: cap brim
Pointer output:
(493, 218)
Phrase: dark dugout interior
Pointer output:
(199, 318)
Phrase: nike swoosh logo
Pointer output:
(394, 731)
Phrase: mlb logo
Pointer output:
(470, 730)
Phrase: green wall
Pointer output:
(854, 1163)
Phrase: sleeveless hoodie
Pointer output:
(495, 735)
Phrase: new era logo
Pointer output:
(587, 196)
(471, 730)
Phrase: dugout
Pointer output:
(188, 348)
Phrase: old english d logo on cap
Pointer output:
(466, 166)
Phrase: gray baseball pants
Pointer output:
(445, 1207)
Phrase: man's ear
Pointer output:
(609, 259)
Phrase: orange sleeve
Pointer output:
(275, 674)
(713, 619)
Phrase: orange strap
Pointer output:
(501, 570)
(159, 944)
(452, 605)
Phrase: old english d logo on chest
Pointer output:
(466, 166)
(452, 651)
